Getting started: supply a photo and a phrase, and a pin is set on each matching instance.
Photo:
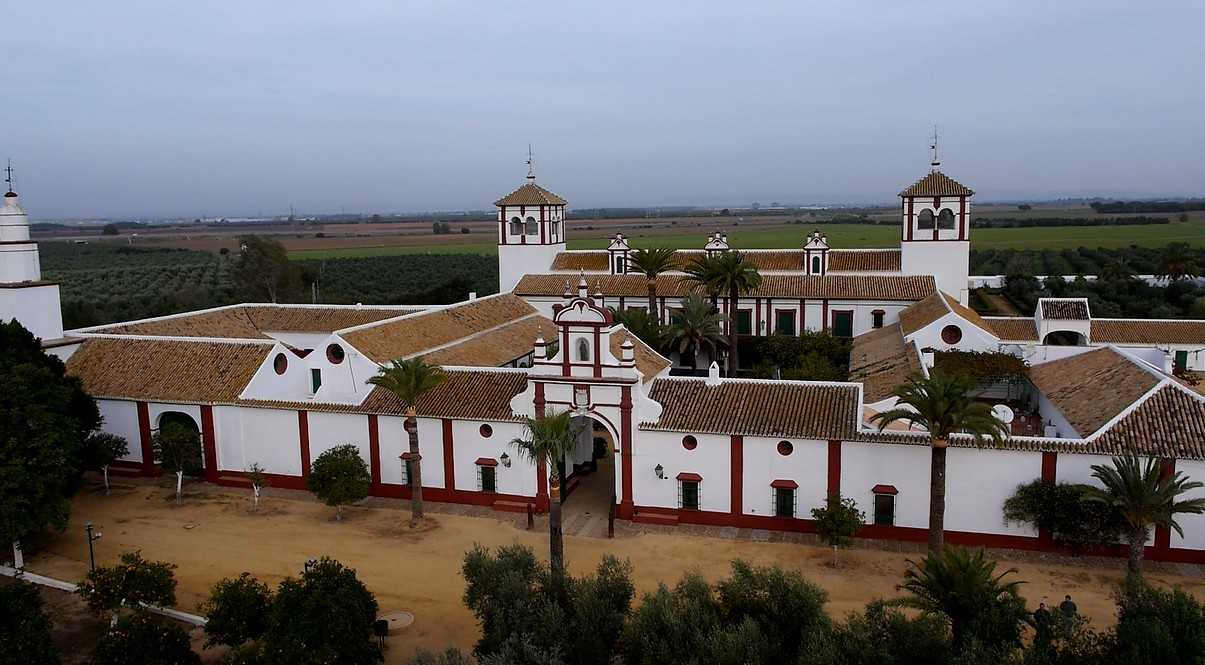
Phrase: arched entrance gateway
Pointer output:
(579, 371)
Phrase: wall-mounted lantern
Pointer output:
(505, 459)
(660, 471)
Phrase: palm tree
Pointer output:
(942, 405)
(963, 585)
(1144, 495)
(549, 438)
(727, 273)
(1177, 263)
(640, 323)
(697, 327)
(651, 263)
(410, 380)
(1116, 271)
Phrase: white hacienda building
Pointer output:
(276, 385)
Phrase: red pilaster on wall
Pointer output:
(626, 505)
(824, 314)
(144, 441)
(374, 452)
(209, 441)
(449, 460)
(1050, 462)
(303, 434)
(834, 467)
(1163, 534)
(737, 466)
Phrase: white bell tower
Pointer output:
(23, 295)
(531, 230)
(936, 231)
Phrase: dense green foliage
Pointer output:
(817, 356)
(522, 610)
(882, 635)
(237, 610)
(838, 520)
(1030, 222)
(1081, 261)
(132, 581)
(24, 626)
(1148, 206)
(339, 476)
(44, 418)
(143, 639)
(1159, 627)
(982, 367)
(1066, 511)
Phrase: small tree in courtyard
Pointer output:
(838, 521)
(258, 480)
(141, 638)
(237, 610)
(24, 626)
(178, 449)
(339, 476)
(101, 449)
(135, 580)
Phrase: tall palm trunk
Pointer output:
(416, 470)
(653, 309)
(556, 542)
(733, 356)
(937, 496)
(1138, 537)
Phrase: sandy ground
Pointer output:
(213, 535)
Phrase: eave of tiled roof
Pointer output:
(1169, 423)
(1064, 309)
(765, 260)
(1092, 388)
(250, 321)
(788, 409)
(864, 260)
(1013, 328)
(925, 312)
(648, 362)
(936, 183)
(530, 194)
(847, 287)
(881, 360)
(495, 348)
(1148, 331)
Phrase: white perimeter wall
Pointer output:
(329, 430)
(1193, 525)
(864, 465)
(268, 437)
(710, 459)
(807, 465)
(978, 482)
(394, 441)
(121, 418)
(468, 445)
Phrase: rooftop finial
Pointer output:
(933, 146)
(8, 176)
(531, 167)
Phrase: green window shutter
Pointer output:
(315, 380)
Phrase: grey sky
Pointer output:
(184, 108)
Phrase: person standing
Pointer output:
(1068, 609)
(1041, 622)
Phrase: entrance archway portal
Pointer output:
(591, 487)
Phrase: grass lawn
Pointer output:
(212, 535)
(839, 236)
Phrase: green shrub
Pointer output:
(142, 639)
(1065, 510)
(24, 627)
(339, 476)
(237, 610)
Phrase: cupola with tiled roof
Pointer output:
(531, 230)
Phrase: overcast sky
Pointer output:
(184, 108)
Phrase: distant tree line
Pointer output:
(1148, 206)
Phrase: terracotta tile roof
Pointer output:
(937, 183)
(921, 314)
(881, 360)
(166, 370)
(864, 260)
(790, 409)
(1146, 331)
(1067, 309)
(767, 260)
(415, 334)
(851, 287)
(1170, 423)
(1091, 388)
(466, 395)
(250, 321)
(648, 362)
(530, 194)
(497, 347)
(1013, 328)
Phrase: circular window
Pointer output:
(951, 334)
(486, 431)
(280, 363)
(785, 448)
(689, 442)
(334, 353)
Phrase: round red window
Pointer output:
(334, 353)
(689, 442)
(280, 363)
(486, 431)
(785, 448)
(951, 334)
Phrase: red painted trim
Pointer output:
(756, 316)
(785, 485)
(1050, 463)
(690, 477)
(449, 456)
(149, 468)
(565, 351)
(884, 489)
(824, 313)
(486, 461)
(543, 239)
(625, 436)
(539, 400)
(908, 219)
(374, 452)
(598, 352)
(803, 309)
(1163, 534)
(542, 499)
(834, 467)
(209, 442)
(737, 471)
(303, 435)
(962, 218)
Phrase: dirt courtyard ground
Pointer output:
(213, 535)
